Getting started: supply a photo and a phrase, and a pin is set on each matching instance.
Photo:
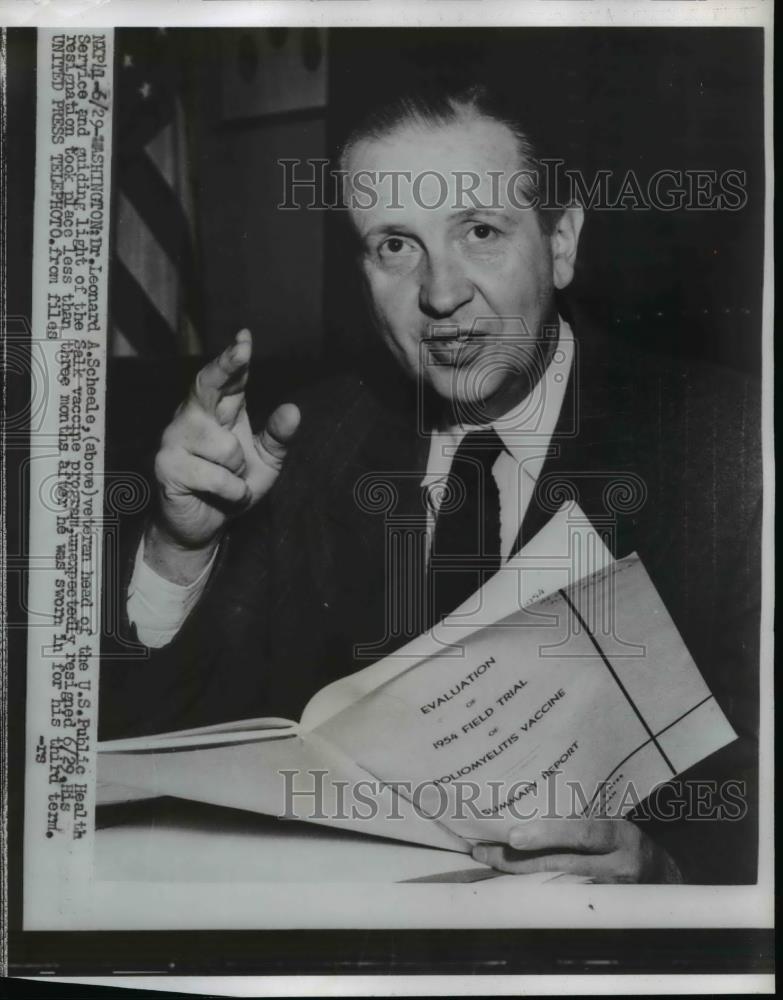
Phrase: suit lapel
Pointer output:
(590, 455)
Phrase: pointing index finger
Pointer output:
(226, 374)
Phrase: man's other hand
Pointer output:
(210, 466)
(604, 850)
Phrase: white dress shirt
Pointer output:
(526, 432)
(158, 607)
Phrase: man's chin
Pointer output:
(469, 395)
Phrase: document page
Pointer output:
(585, 699)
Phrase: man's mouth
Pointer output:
(447, 333)
(453, 345)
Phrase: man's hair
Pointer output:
(434, 106)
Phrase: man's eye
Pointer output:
(396, 246)
(482, 231)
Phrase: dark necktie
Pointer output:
(465, 547)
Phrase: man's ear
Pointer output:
(565, 240)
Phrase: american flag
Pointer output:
(154, 279)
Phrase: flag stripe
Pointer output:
(141, 323)
(149, 264)
(157, 308)
(121, 346)
(159, 207)
(168, 151)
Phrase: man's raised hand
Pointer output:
(210, 466)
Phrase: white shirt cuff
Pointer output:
(158, 607)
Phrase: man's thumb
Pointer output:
(272, 443)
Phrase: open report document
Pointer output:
(560, 686)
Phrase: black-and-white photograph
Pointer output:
(391, 427)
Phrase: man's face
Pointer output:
(460, 290)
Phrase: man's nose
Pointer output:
(444, 287)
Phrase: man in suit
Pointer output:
(268, 571)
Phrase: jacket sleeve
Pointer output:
(199, 677)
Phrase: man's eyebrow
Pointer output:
(475, 212)
(463, 215)
(385, 228)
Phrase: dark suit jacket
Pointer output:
(663, 456)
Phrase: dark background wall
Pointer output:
(261, 267)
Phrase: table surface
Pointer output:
(172, 840)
